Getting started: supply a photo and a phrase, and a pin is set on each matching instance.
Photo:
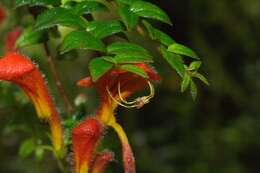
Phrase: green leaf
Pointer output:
(156, 34)
(59, 16)
(193, 90)
(101, 29)
(185, 82)
(128, 2)
(126, 48)
(98, 67)
(19, 3)
(86, 7)
(39, 153)
(26, 148)
(182, 50)
(132, 58)
(129, 18)
(149, 10)
(30, 37)
(81, 40)
(201, 77)
(195, 65)
(174, 60)
(134, 69)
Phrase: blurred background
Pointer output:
(217, 133)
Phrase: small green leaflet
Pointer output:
(129, 18)
(193, 90)
(30, 37)
(185, 82)
(134, 69)
(86, 7)
(128, 2)
(195, 65)
(149, 10)
(82, 40)
(102, 29)
(59, 16)
(182, 50)
(98, 67)
(26, 148)
(156, 34)
(201, 77)
(19, 3)
(174, 60)
(132, 59)
(126, 48)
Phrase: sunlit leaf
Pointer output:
(81, 40)
(125, 48)
(149, 10)
(59, 16)
(193, 90)
(174, 60)
(182, 50)
(156, 34)
(98, 67)
(19, 3)
(30, 37)
(185, 82)
(134, 69)
(26, 148)
(201, 77)
(86, 7)
(129, 18)
(132, 58)
(101, 29)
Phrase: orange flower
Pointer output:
(18, 69)
(101, 162)
(114, 87)
(84, 139)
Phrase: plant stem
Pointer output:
(58, 83)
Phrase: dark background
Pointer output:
(217, 133)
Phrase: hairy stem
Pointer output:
(58, 83)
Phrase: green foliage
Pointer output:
(148, 10)
(182, 50)
(98, 67)
(59, 16)
(86, 7)
(20, 3)
(134, 69)
(81, 40)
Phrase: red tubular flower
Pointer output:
(84, 139)
(11, 38)
(114, 87)
(101, 162)
(20, 70)
(2, 15)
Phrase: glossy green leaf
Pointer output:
(201, 77)
(134, 69)
(102, 29)
(193, 90)
(59, 16)
(86, 7)
(185, 82)
(132, 58)
(98, 67)
(156, 34)
(195, 65)
(174, 60)
(128, 2)
(82, 40)
(182, 50)
(30, 37)
(129, 18)
(19, 3)
(26, 148)
(126, 48)
(149, 10)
